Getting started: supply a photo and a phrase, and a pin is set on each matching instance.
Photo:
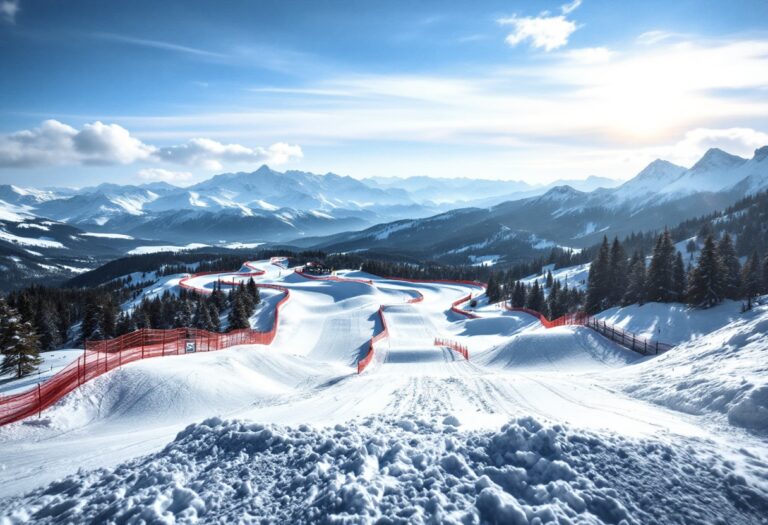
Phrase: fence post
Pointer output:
(163, 343)
(39, 402)
(143, 341)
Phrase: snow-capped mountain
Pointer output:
(662, 194)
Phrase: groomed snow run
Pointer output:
(538, 426)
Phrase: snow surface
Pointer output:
(107, 235)
(671, 323)
(29, 241)
(143, 250)
(400, 471)
(538, 426)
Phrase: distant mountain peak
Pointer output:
(761, 153)
(717, 158)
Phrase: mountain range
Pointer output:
(662, 194)
(57, 231)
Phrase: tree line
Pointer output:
(717, 274)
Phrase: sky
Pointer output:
(144, 91)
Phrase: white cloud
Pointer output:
(738, 141)
(211, 154)
(650, 38)
(570, 7)
(100, 143)
(57, 144)
(160, 174)
(590, 55)
(8, 10)
(544, 32)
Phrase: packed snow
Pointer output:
(143, 250)
(538, 426)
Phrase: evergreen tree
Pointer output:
(660, 281)
(46, 326)
(213, 313)
(535, 297)
(751, 279)
(636, 284)
(679, 278)
(765, 275)
(253, 291)
(550, 279)
(109, 314)
(183, 317)
(518, 295)
(554, 301)
(618, 278)
(598, 285)
(124, 324)
(91, 327)
(493, 290)
(731, 268)
(19, 344)
(238, 316)
(705, 287)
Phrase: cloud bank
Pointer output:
(57, 144)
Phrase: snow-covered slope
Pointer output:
(535, 426)
(722, 372)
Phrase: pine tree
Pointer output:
(535, 297)
(679, 278)
(91, 327)
(109, 314)
(213, 313)
(238, 316)
(550, 279)
(19, 344)
(183, 317)
(636, 284)
(554, 301)
(705, 287)
(765, 275)
(660, 281)
(253, 291)
(518, 295)
(493, 290)
(46, 326)
(124, 324)
(598, 285)
(731, 268)
(618, 278)
(751, 279)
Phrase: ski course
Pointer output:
(307, 375)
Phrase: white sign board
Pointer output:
(189, 347)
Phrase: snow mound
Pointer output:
(672, 323)
(571, 349)
(400, 471)
(723, 373)
(184, 387)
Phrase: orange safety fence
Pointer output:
(623, 337)
(453, 345)
(364, 362)
(99, 357)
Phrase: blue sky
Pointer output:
(120, 91)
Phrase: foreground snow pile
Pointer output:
(724, 372)
(401, 471)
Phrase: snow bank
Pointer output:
(723, 372)
(671, 323)
(566, 348)
(401, 471)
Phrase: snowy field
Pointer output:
(539, 426)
